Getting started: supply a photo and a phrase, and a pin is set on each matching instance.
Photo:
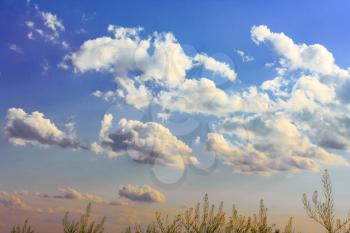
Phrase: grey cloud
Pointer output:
(149, 143)
(22, 128)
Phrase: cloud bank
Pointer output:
(295, 121)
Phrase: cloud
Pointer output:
(294, 122)
(106, 96)
(45, 67)
(218, 67)
(244, 57)
(22, 128)
(328, 127)
(202, 96)
(314, 58)
(310, 93)
(29, 24)
(149, 143)
(49, 27)
(73, 194)
(51, 21)
(142, 65)
(199, 96)
(154, 69)
(122, 32)
(267, 144)
(119, 203)
(126, 52)
(143, 193)
(15, 48)
(12, 201)
(15, 202)
(316, 102)
(138, 97)
(65, 45)
(277, 86)
(63, 63)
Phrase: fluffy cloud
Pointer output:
(309, 93)
(22, 128)
(215, 66)
(202, 96)
(199, 96)
(328, 127)
(314, 57)
(149, 143)
(315, 102)
(266, 144)
(138, 62)
(294, 122)
(138, 97)
(141, 193)
(108, 54)
(127, 52)
(277, 86)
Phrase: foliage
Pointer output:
(84, 225)
(22, 229)
(323, 212)
(206, 218)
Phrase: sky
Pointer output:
(144, 106)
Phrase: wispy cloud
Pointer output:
(49, 27)
(15, 48)
(73, 194)
(244, 57)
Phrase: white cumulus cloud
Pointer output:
(218, 67)
(149, 143)
(314, 57)
(266, 144)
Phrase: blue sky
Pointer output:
(240, 99)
